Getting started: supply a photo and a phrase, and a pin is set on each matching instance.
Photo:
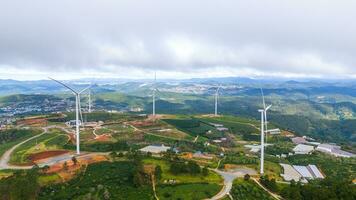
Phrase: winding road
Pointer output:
(5, 158)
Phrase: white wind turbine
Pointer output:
(263, 114)
(89, 101)
(216, 100)
(77, 110)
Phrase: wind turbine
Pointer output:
(77, 110)
(265, 113)
(89, 101)
(216, 100)
(263, 131)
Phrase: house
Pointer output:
(72, 123)
(155, 149)
(201, 155)
(334, 150)
(216, 125)
(222, 129)
(299, 140)
(303, 149)
(301, 173)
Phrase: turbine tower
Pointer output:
(262, 111)
(216, 101)
(77, 110)
(263, 131)
(265, 113)
(89, 101)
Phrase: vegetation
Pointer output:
(321, 190)
(100, 181)
(21, 185)
(188, 191)
(9, 138)
(248, 190)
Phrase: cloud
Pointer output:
(177, 38)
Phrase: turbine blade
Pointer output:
(263, 99)
(268, 107)
(64, 85)
(80, 111)
(84, 89)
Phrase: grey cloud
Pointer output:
(294, 37)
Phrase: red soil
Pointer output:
(103, 137)
(46, 154)
(33, 122)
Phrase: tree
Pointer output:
(113, 154)
(65, 166)
(74, 160)
(247, 177)
(158, 172)
(205, 171)
(45, 168)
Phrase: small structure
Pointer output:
(299, 140)
(303, 149)
(216, 125)
(222, 129)
(334, 150)
(201, 155)
(155, 149)
(289, 173)
(72, 123)
(301, 173)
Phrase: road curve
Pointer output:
(229, 178)
(5, 158)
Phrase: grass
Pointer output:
(49, 179)
(190, 191)
(183, 178)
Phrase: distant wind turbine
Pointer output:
(265, 113)
(216, 100)
(89, 101)
(77, 110)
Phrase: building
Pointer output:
(289, 173)
(222, 129)
(72, 123)
(155, 149)
(299, 140)
(201, 155)
(334, 150)
(301, 173)
(303, 149)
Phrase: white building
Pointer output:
(301, 173)
(334, 150)
(156, 149)
(303, 149)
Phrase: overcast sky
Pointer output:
(177, 38)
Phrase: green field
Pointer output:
(183, 178)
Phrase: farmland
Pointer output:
(101, 180)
